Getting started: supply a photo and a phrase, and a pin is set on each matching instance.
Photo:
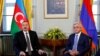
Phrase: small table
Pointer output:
(53, 44)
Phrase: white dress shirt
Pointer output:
(78, 35)
(26, 40)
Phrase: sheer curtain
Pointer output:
(1, 10)
(96, 13)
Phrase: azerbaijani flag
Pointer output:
(18, 17)
(87, 21)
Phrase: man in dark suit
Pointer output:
(78, 43)
(26, 42)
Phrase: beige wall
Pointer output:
(41, 25)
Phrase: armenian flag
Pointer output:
(87, 21)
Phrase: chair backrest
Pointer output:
(89, 51)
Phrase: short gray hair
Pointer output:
(78, 23)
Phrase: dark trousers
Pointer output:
(67, 54)
(35, 53)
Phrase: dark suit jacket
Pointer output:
(83, 44)
(98, 53)
(20, 42)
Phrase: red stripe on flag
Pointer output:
(88, 5)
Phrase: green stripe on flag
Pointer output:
(14, 27)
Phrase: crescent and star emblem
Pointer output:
(19, 14)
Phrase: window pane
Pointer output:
(9, 10)
(95, 0)
(97, 22)
(95, 19)
(94, 8)
(10, 1)
(98, 9)
(7, 23)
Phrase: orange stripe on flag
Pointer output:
(84, 31)
(93, 46)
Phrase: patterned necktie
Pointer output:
(75, 42)
(28, 44)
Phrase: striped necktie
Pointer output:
(28, 44)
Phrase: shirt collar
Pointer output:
(78, 34)
(25, 32)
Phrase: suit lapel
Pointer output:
(80, 38)
(30, 34)
(31, 37)
(73, 39)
